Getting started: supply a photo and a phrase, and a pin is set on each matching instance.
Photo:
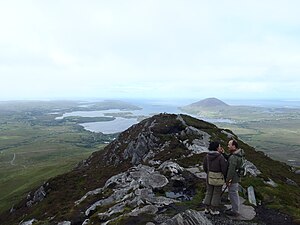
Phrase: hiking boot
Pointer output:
(206, 211)
(226, 210)
(232, 213)
(214, 212)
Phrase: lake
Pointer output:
(152, 107)
(120, 123)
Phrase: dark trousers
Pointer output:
(213, 195)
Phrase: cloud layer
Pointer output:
(153, 49)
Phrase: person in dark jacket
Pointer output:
(214, 161)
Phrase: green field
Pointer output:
(35, 147)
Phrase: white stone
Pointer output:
(64, 223)
(29, 222)
(271, 183)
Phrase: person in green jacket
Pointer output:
(232, 178)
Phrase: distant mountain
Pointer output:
(152, 174)
(208, 102)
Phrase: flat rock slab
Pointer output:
(246, 212)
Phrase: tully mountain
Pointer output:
(152, 174)
(209, 102)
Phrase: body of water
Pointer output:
(150, 108)
(110, 127)
(120, 124)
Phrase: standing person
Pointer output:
(232, 178)
(214, 161)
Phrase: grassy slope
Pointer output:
(40, 153)
(35, 147)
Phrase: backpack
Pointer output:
(242, 169)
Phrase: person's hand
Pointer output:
(228, 183)
(221, 150)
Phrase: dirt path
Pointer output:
(12, 161)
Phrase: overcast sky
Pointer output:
(149, 49)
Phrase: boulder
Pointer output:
(170, 167)
(29, 222)
(188, 217)
(64, 223)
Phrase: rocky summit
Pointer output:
(152, 174)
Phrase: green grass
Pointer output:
(32, 169)
(43, 148)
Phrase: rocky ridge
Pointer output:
(151, 174)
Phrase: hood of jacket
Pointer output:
(240, 152)
(213, 155)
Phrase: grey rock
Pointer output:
(144, 193)
(251, 168)
(198, 145)
(103, 216)
(179, 117)
(161, 218)
(170, 167)
(85, 222)
(138, 148)
(153, 162)
(118, 208)
(229, 135)
(271, 183)
(150, 180)
(297, 172)
(64, 223)
(12, 209)
(188, 217)
(150, 223)
(154, 181)
(136, 201)
(291, 182)
(247, 212)
(160, 201)
(150, 155)
(134, 186)
(150, 209)
(38, 196)
(93, 192)
(197, 173)
(29, 222)
(189, 130)
(251, 195)
(178, 178)
(102, 202)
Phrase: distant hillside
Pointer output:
(208, 102)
